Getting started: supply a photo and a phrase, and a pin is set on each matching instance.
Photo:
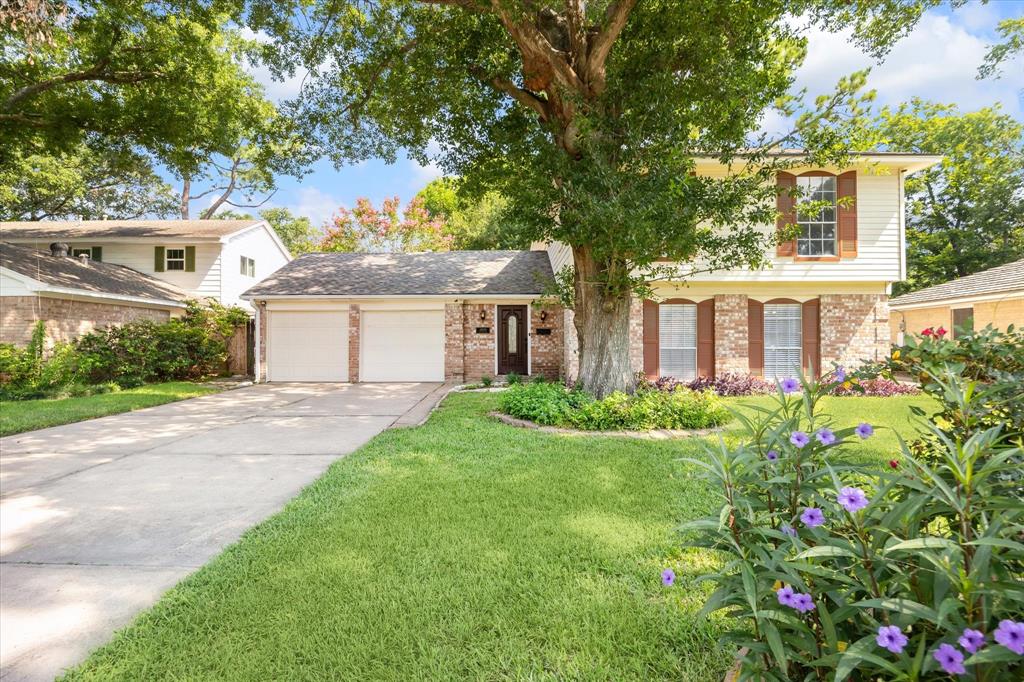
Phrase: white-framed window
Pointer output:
(174, 259)
(818, 228)
(677, 340)
(248, 267)
(783, 336)
(81, 252)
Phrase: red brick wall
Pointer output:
(65, 319)
(854, 328)
(353, 343)
(731, 334)
(478, 350)
(263, 323)
(454, 357)
(546, 351)
(636, 334)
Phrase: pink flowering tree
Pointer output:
(386, 229)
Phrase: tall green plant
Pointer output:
(835, 571)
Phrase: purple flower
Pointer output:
(951, 660)
(841, 376)
(799, 439)
(668, 577)
(785, 595)
(812, 517)
(1011, 635)
(772, 455)
(890, 637)
(790, 385)
(788, 530)
(803, 603)
(852, 499)
(972, 640)
(864, 430)
(825, 437)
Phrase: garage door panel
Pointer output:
(308, 345)
(403, 345)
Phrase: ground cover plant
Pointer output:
(466, 549)
(553, 404)
(27, 415)
(833, 570)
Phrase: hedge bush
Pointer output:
(555, 405)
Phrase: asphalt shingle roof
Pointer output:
(114, 229)
(71, 273)
(409, 274)
(1004, 278)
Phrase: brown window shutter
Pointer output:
(755, 336)
(811, 338)
(706, 338)
(785, 204)
(846, 186)
(651, 345)
(190, 259)
(158, 259)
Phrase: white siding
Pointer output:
(10, 286)
(560, 256)
(255, 243)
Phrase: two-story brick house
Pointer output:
(463, 315)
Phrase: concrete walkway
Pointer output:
(99, 518)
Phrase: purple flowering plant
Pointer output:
(839, 570)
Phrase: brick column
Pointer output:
(478, 349)
(570, 347)
(636, 334)
(353, 342)
(732, 349)
(854, 329)
(454, 348)
(261, 356)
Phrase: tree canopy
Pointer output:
(965, 214)
(474, 222)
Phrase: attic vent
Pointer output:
(83, 258)
(59, 250)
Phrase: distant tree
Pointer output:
(482, 222)
(369, 229)
(1012, 33)
(297, 232)
(965, 214)
(86, 182)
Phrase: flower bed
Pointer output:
(833, 570)
(551, 404)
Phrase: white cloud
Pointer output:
(314, 204)
(276, 90)
(938, 61)
(420, 175)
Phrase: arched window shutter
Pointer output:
(755, 336)
(706, 338)
(651, 351)
(811, 338)
(847, 217)
(785, 204)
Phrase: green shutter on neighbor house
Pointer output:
(158, 259)
(97, 253)
(190, 259)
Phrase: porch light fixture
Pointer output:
(543, 315)
(483, 314)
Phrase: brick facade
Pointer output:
(454, 333)
(263, 322)
(479, 351)
(546, 351)
(636, 334)
(854, 328)
(732, 347)
(65, 319)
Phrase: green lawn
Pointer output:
(463, 549)
(26, 415)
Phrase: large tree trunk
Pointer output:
(602, 326)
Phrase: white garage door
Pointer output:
(308, 345)
(406, 345)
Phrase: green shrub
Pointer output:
(552, 404)
(512, 378)
(835, 571)
(486, 381)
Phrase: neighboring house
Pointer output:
(216, 259)
(73, 296)
(463, 315)
(992, 297)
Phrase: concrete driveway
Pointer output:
(99, 518)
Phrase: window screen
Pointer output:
(175, 259)
(677, 340)
(782, 340)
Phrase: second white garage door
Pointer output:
(308, 345)
(402, 345)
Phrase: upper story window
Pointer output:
(248, 267)
(817, 229)
(677, 332)
(175, 259)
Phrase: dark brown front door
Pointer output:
(512, 323)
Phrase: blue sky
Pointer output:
(938, 61)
